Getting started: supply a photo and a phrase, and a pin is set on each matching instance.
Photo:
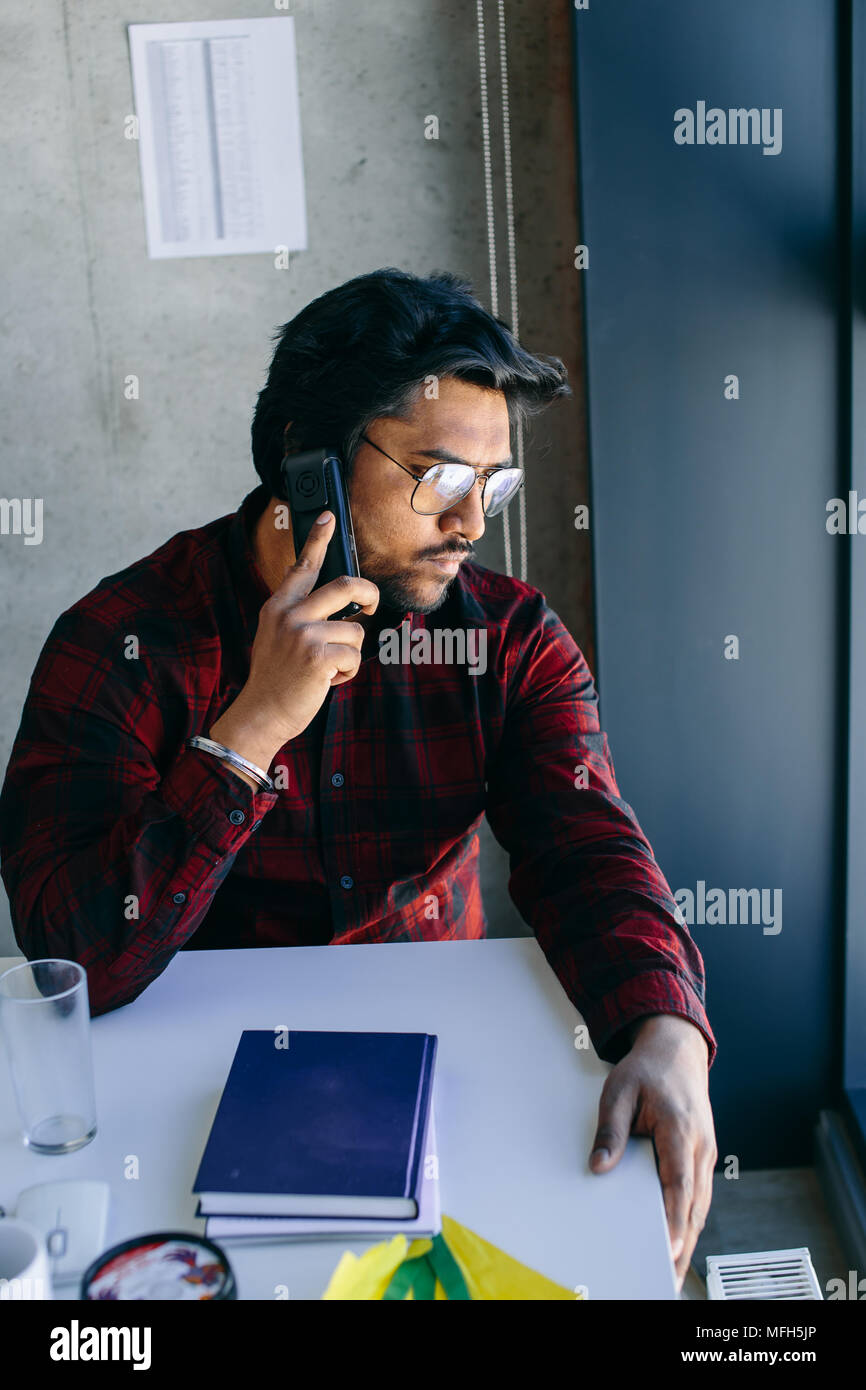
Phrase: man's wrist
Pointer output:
(666, 1026)
(243, 736)
(637, 1025)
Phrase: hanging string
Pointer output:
(488, 166)
(512, 263)
(491, 237)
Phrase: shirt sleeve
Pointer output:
(113, 836)
(583, 875)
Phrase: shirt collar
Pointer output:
(252, 590)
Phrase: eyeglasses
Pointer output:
(446, 484)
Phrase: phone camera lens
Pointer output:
(306, 484)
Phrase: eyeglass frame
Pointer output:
(484, 474)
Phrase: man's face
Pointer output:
(396, 546)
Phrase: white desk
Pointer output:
(516, 1105)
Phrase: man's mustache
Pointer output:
(447, 555)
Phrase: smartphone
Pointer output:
(311, 482)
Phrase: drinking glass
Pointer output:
(45, 1023)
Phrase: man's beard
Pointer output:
(398, 594)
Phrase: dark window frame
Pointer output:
(852, 194)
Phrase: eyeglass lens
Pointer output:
(449, 483)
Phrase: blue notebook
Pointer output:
(331, 1125)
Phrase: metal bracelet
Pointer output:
(228, 755)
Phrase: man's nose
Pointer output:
(466, 516)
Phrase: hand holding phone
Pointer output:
(310, 482)
(299, 652)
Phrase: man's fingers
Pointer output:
(338, 594)
(341, 659)
(705, 1161)
(615, 1115)
(302, 575)
(704, 1164)
(676, 1164)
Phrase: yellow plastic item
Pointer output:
(487, 1271)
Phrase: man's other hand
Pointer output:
(660, 1089)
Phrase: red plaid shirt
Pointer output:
(121, 846)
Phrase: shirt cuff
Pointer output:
(219, 807)
(653, 992)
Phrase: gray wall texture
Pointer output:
(84, 307)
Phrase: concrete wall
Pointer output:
(84, 307)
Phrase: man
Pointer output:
(339, 796)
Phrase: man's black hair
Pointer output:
(367, 348)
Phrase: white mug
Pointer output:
(24, 1270)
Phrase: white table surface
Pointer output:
(516, 1105)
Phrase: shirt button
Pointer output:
(347, 881)
(337, 780)
(237, 817)
(179, 898)
(255, 825)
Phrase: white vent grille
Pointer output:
(763, 1274)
